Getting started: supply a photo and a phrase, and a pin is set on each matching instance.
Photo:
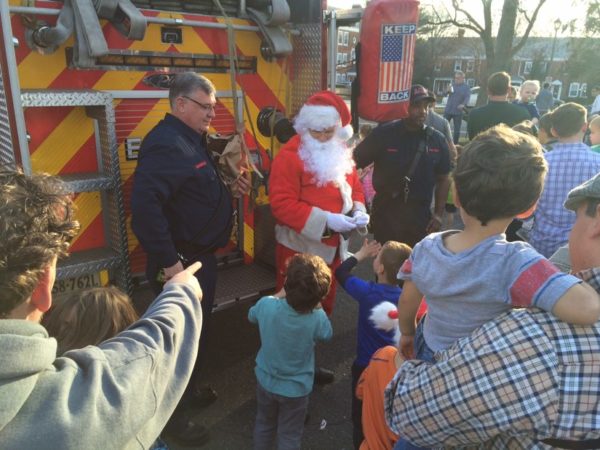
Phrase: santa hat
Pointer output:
(325, 110)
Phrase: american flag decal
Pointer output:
(396, 62)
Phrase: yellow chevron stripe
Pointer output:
(271, 72)
(38, 71)
(88, 206)
(63, 142)
(248, 240)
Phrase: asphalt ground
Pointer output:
(233, 345)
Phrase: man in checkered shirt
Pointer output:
(570, 163)
(524, 380)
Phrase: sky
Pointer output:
(564, 10)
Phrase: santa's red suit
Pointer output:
(301, 203)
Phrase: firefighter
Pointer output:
(182, 211)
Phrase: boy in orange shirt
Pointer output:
(371, 386)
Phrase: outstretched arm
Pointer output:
(580, 305)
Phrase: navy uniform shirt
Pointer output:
(392, 147)
(178, 202)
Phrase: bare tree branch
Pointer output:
(530, 24)
(473, 23)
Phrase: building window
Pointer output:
(344, 58)
(346, 37)
(441, 85)
(573, 90)
(583, 90)
(340, 37)
(457, 65)
(470, 65)
(339, 58)
(470, 82)
(527, 67)
(353, 55)
(544, 66)
(437, 67)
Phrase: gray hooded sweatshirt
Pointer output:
(118, 395)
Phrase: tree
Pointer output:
(499, 50)
(431, 44)
(592, 22)
(583, 63)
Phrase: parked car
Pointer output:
(472, 99)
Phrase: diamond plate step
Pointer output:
(243, 283)
(88, 182)
(88, 261)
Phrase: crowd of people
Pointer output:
(484, 336)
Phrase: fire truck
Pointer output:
(83, 81)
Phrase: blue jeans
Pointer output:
(280, 416)
(422, 350)
(456, 120)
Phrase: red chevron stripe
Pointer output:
(92, 236)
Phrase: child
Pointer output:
(471, 276)
(527, 127)
(545, 135)
(383, 366)
(289, 325)
(595, 134)
(388, 259)
(89, 317)
(528, 92)
(366, 174)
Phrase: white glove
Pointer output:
(340, 223)
(361, 219)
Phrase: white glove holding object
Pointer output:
(361, 219)
(340, 223)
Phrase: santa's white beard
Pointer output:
(328, 161)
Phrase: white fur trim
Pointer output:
(315, 224)
(346, 192)
(358, 206)
(316, 117)
(381, 320)
(345, 133)
(297, 242)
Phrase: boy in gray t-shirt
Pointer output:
(469, 277)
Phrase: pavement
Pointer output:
(233, 345)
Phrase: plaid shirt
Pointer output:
(521, 378)
(569, 165)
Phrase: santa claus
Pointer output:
(316, 197)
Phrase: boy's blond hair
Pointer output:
(393, 255)
(534, 83)
(595, 122)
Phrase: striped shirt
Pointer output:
(569, 165)
(521, 378)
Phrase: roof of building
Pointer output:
(472, 47)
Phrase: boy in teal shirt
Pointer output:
(289, 323)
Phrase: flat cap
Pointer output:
(588, 190)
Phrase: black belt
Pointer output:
(575, 445)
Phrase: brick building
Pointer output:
(542, 58)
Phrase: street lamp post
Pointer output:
(557, 25)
